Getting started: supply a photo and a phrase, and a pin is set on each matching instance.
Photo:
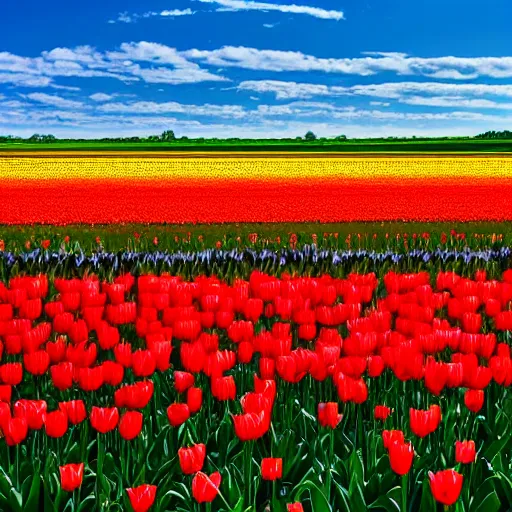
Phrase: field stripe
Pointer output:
(252, 168)
(285, 200)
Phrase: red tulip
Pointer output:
(474, 399)
(224, 388)
(142, 497)
(71, 476)
(183, 381)
(74, 410)
(446, 486)
(62, 375)
(15, 430)
(56, 424)
(391, 436)
(130, 425)
(37, 362)
(5, 393)
(328, 415)
(465, 452)
(381, 412)
(104, 419)
(192, 459)
(113, 373)
(34, 411)
(11, 373)
(250, 426)
(424, 423)
(143, 363)
(90, 379)
(400, 457)
(294, 507)
(123, 354)
(194, 399)
(271, 468)
(205, 488)
(178, 414)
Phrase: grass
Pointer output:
(189, 237)
(365, 146)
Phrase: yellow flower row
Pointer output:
(253, 168)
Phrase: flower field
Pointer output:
(309, 378)
(189, 189)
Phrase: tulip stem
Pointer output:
(328, 479)
(405, 481)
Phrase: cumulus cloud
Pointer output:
(178, 12)
(248, 5)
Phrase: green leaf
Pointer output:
(32, 502)
(390, 502)
(486, 488)
(427, 500)
(490, 503)
(319, 501)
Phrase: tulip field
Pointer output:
(285, 334)
(315, 380)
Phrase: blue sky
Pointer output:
(228, 68)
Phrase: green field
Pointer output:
(359, 146)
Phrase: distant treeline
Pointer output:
(506, 134)
(169, 137)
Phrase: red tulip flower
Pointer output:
(391, 436)
(56, 424)
(250, 426)
(11, 373)
(400, 457)
(71, 476)
(130, 425)
(294, 507)
(271, 468)
(446, 486)
(474, 399)
(192, 459)
(74, 410)
(205, 488)
(465, 452)
(194, 399)
(178, 414)
(34, 411)
(37, 362)
(223, 388)
(62, 375)
(142, 497)
(424, 423)
(381, 412)
(183, 381)
(104, 419)
(328, 415)
(15, 430)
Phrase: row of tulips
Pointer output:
(369, 392)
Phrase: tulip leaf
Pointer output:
(486, 488)
(497, 446)
(427, 500)
(319, 501)
(390, 502)
(32, 502)
(490, 503)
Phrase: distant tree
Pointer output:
(35, 138)
(298, 138)
(310, 136)
(341, 137)
(168, 136)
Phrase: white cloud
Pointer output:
(55, 101)
(402, 64)
(100, 96)
(379, 104)
(151, 107)
(248, 5)
(391, 90)
(86, 62)
(178, 12)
